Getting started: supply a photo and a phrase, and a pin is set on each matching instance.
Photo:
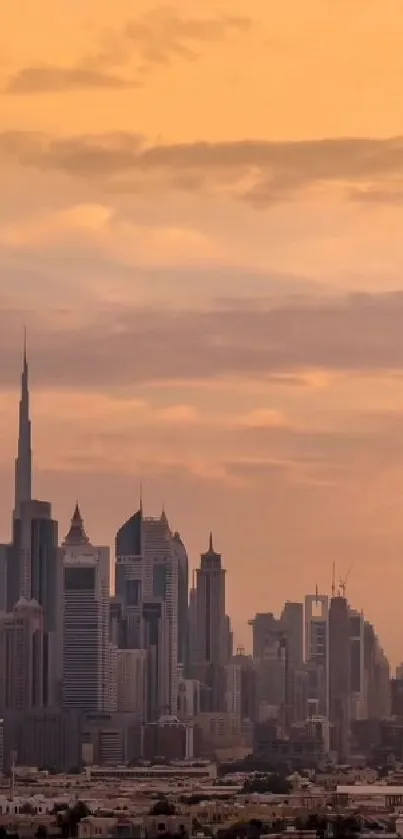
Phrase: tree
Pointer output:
(27, 809)
(69, 819)
(274, 783)
(163, 807)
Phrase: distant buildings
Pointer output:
(86, 676)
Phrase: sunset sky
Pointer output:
(201, 224)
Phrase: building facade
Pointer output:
(86, 664)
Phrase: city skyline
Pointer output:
(140, 545)
(202, 232)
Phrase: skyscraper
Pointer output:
(357, 682)
(160, 587)
(339, 672)
(292, 622)
(129, 576)
(86, 683)
(34, 553)
(317, 650)
(212, 627)
(23, 485)
(183, 600)
(23, 463)
(21, 657)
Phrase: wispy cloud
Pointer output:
(55, 79)
(257, 172)
(119, 345)
(164, 35)
(157, 38)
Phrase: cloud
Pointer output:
(258, 172)
(163, 34)
(54, 79)
(121, 345)
(150, 40)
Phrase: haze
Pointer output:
(201, 226)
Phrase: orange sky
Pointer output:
(200, 222)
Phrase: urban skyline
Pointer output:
(24, 494)
(135, 657)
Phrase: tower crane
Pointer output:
(343, 583)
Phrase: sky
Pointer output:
(201, 214)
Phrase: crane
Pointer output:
(343, 583)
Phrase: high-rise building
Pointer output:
(156, 640)
(270, 655)
(4, 558)
(193, 639)
(183, 601)
(357, 684)
(132, 682)
(34, 551)
(22, 488)
(233, 693)
(212, 625)
(129, 577)
(23, 463)
(160, 586)
(317, 649)
(21, 657)
(212, 630)
(292, 622)
(85, 617)
(339, 673)
(265, 627)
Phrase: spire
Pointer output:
(210, 545)
(76, 534)
(141, 498)
(23, 463)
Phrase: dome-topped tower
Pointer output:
(76, 534)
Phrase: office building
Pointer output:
(132, 682)
(339, 674)
(85, 616)
(358, 708)
(212, 630)
(35, 552)
(265, 628)
(212, 624)
(317, 649)
(183, 601)
(160, 587)
(292, 623)
(128, 579)
(233, 692)
(21, 657)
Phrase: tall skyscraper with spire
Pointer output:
(23, 463)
